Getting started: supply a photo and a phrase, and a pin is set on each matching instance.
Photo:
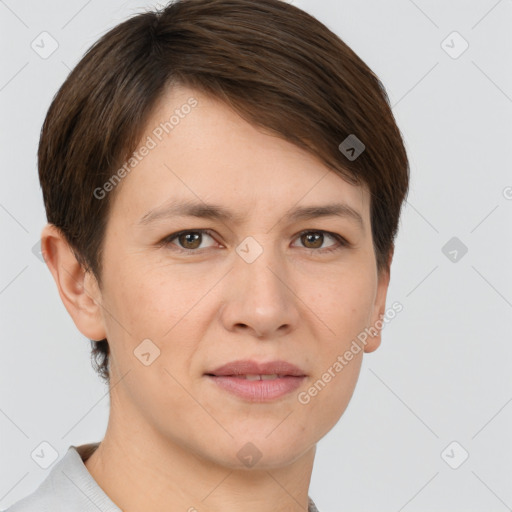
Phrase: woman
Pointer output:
(223, 181)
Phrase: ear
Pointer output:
(78, 289)
(379, 307)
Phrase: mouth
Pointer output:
(252, 377)
(257, 382)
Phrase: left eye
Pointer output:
(191, 240)
(317, 237)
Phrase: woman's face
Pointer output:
(250, 287)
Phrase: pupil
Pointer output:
(193, 235)
(318, 237)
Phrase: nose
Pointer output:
(260, 298)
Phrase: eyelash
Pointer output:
(342, 243)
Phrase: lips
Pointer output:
(253, 369)
(257, 382)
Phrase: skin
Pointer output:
(173, 435)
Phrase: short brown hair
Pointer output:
(277, 66)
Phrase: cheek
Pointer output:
(149, 301)
(164, 305)
(344, 303)
(325, 399)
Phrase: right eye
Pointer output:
(189, 240)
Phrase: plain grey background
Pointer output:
(428, 427)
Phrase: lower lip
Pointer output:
(258, 390)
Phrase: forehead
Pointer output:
(199, 149)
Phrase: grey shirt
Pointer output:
(69, 487)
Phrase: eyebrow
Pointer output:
(216, 212)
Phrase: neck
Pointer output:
(139, 470)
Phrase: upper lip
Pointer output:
(248, 367)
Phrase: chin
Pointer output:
(263, 451)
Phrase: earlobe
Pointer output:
(373, 342)
(78, 290)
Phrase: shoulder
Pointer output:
(66, 487)
(40, 500)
